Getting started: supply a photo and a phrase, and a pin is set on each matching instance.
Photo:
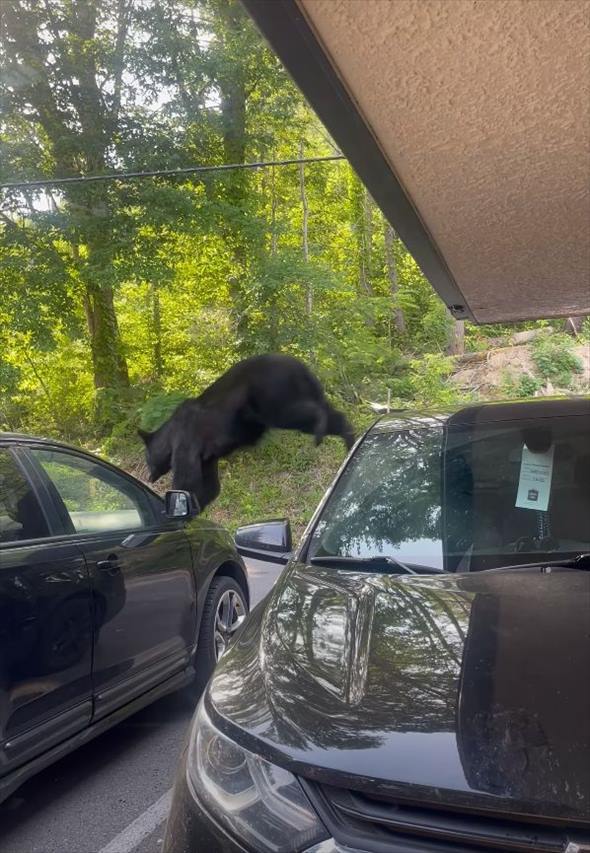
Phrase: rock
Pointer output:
(530, 335)
(471, 357)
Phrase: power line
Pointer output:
(163, 173)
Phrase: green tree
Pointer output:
(153, 287)
(64, 74)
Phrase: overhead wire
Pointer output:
(163, 173)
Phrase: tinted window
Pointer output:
(461, 497)
(97, 499)
(20, 514)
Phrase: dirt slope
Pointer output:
(490, 373)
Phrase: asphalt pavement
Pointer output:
(112, 795)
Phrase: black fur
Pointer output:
(255, 395)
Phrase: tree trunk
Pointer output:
(233, 112)
(398, 314)
(97, 273)
(304, 231)
(232, 84)
(573, 325)
(108, 363)
(273, 211)
(368, 238)
(457, 342)
(361, 227)
(273, 310)
(157, 332)
(109, 366)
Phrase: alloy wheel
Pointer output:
(231, 612)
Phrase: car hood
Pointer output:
(470, 690)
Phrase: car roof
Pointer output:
(539, 408)
(23, 438)
(469, 124)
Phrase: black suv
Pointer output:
(418, 680)
(109, 598)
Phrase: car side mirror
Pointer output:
(179, 504)
(267, 540)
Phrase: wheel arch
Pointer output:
(231, 569)
(228, 568)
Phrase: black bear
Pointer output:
(257, 394)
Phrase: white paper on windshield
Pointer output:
(534, 484)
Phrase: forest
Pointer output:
(120, 298)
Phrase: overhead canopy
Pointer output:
(469, 123)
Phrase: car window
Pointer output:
(96, 497)
(20, 514)
(388, 501)
(461, 497)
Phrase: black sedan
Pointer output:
(418, 680)
(110, 598)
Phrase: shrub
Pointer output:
(528, 385)
(555, 360)
(522, 388)
(429, 380)
(157, 409)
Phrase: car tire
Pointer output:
(226, 607)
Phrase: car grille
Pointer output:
(378, 825)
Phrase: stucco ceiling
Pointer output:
(482, 110)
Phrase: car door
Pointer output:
(140, 570)
(45, 622)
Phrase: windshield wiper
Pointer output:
(580, 561)
(385, 563)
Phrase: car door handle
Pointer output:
(110, 565)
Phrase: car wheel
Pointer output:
(224, 611)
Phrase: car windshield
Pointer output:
(462, 497)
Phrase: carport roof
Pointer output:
(469, 123)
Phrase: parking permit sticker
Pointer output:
(534, 484)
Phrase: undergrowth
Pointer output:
(555, 360)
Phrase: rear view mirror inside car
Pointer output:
(537, 439)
